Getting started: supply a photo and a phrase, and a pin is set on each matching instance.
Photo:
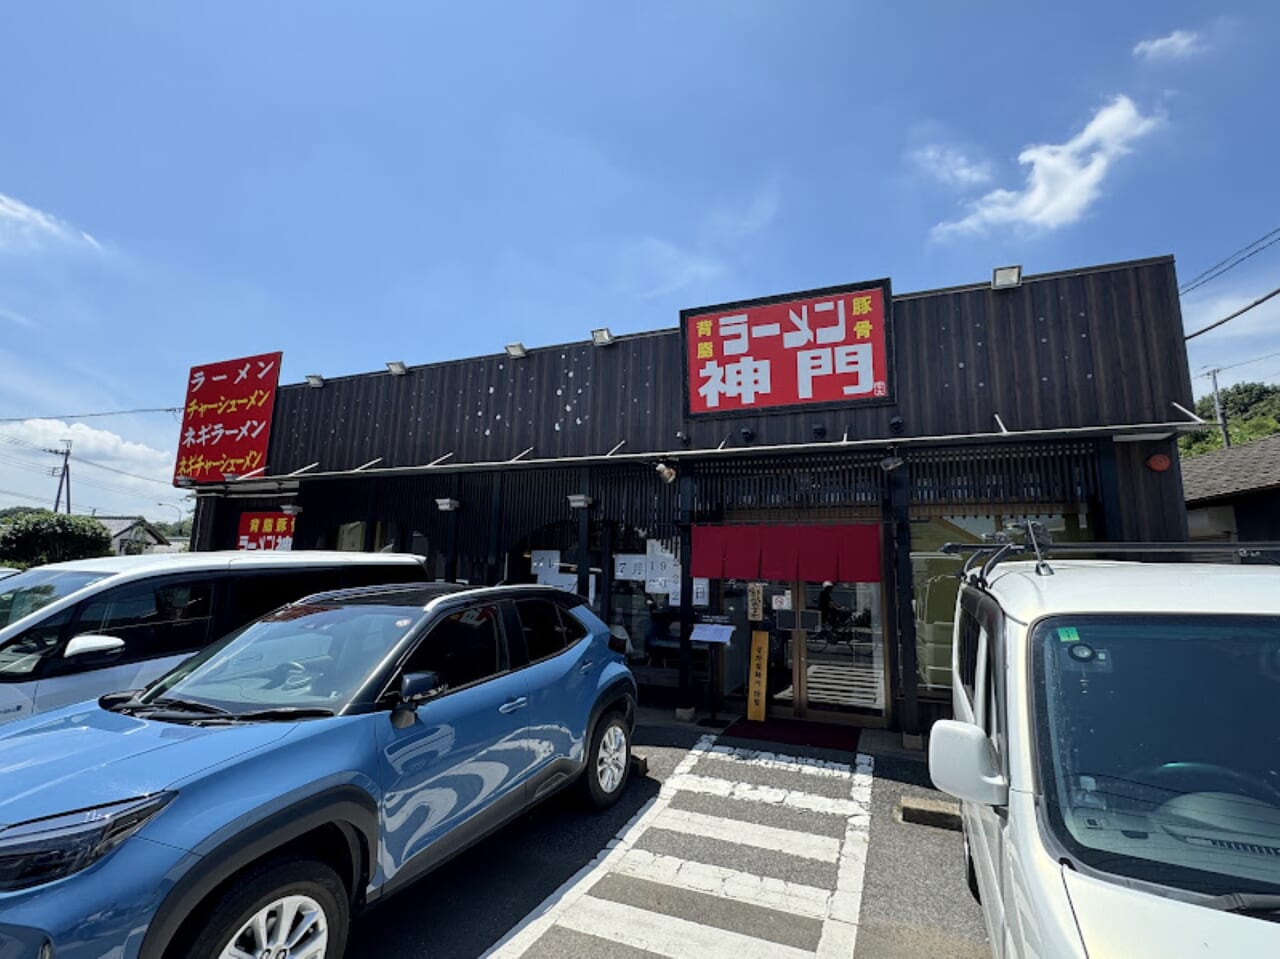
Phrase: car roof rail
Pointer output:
(1036, 541)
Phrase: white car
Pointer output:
(6, 571)
(1116, 751)
(74, 631)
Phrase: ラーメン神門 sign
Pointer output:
(827, 346)
(266, 531)
(226, 420)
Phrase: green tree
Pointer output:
(1253, 411)
(13, 512)
(38, 538)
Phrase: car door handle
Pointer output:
(511, 705)
(586, 667)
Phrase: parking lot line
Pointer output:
(752, 792)
(667, 935)
(789, 841)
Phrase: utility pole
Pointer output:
(1219, 413)
(64, 475)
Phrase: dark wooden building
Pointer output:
(1058, 398)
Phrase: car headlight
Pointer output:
(42, 850)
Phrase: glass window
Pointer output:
(23, 594)
(21, 656)
(1158, 738)
(463, 648)
(544, 635)
(306, 656)
(573, 628)
(156, 618)
(934, 582)
(258, 592)
(970, 638)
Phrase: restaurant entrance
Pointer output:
(827, 657)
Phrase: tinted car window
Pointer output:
(22, 656)
(573, 629)
(464, 648)
(154, 618)
(257, 592)
(544, 634)
(23, 594)
(383, 574)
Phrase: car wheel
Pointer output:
(608, 761)
(294, 909)
(970, 874)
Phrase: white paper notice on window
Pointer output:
(630, 567)
(544, 559)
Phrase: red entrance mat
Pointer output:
(791, 732)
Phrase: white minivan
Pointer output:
(74, 631)
(1116, 751)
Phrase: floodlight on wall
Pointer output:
(891, 463)
(747, 433)
(397, 368)
(665, 473)
(516, 351)
(1006, 277)
(447, 505)
(602, 336)
(895, 424)
(184, 482)
(291, 509)
(579, 501)
(315, 380)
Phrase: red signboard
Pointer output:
(265, 531)
(227, 418)
(828, 347)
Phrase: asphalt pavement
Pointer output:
(725, 848)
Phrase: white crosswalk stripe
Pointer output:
(645, 898)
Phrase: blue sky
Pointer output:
(352, 183)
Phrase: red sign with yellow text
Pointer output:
(265, 531)
(827, 347)
(226, 421)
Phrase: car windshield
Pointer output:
(27, 592)
(1159, 746)
(299, 657)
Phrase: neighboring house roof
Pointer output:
(119, 526)
(1241, 469)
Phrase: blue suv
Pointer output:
(246, 803)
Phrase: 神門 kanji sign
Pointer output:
(226, 421)
(831, 346)
(265, 531)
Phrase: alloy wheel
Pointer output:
(293, 927)
(611, 760)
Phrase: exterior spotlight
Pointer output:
(516, 351)
(895, 424)
(891, 463)
(1006, 277)
(819, 431)
(291, 509)
(446, 505)
(315, 380)
(748, 434)
(579, 501)
(665, 473)
(397, 368)
(602, 336)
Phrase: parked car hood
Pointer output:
(1117, 921)
(84, 756)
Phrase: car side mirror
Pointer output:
(415, 689)
(963, 764)
(89, 643)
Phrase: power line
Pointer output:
(111, 469)
(1226, 319)
(89, 416)
(83, 510)
(1228, 264)
(1256, 359)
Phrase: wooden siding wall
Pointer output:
(1089, 348)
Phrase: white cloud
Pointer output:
(24, 480)
(25, 228)
(1063, 179)
(653, 267)
(16, 318)
(1180, 43)
(949, 166)
(732, 225)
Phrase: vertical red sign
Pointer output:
(265, 531)
(830, 347)
(226, 421)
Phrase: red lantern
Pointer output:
(1158, 462)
